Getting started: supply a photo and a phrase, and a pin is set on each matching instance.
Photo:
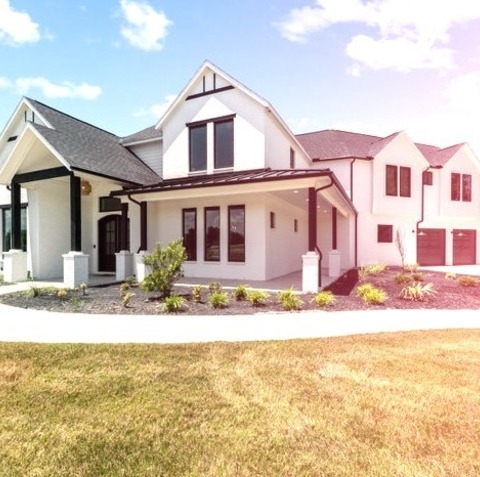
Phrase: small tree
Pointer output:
(399, 242)
(165, 266)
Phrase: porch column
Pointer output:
(334, 228)
(124, 258)
(334, 256)
(143, 226)
(75, 215)
(311, 260)
(16, 224)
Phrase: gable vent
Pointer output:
(12, 138)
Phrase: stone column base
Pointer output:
(334, 261)
(75, 269)
(310, 266)
(140, 267)
(15, 266)
(124, 265)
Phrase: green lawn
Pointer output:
(405, 404)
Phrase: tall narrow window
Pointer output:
(455, 186)
(405, 181)
(292, 158)
(391, 180)
(189, 226)
(466, 187)
(7, 229)
(236, 233)
(223, 144)
(212, 234)
(198, 148)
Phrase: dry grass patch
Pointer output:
(391, 404)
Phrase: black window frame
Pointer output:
(384, 233)
(292, 158)
(233, 242)
(194, 153)
(209, 243)
(190, 242)
(273, 220)
(109, 204)
(6, 228)
(220, 151)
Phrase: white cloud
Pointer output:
(402, 34)
(156, 111)
(51, 90)
(5, 82)
(146, 28)
(16, 27)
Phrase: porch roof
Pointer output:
(236, 178)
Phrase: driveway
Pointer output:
(20, 325)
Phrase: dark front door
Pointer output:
(108, 242)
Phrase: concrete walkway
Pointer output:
(20, 325)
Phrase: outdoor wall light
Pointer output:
(85, 188)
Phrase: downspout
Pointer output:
(422, 203)
(316, 245)
(355, 246)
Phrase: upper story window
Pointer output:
(398, 181)
(198, 148)
(427, 177)
(216, 131)
(461, 187)
(223, 144)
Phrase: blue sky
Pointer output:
(374, 67)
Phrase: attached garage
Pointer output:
(431, 246)
(464, 247)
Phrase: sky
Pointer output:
(367, 66)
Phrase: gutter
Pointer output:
(143, 224)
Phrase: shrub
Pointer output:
(410, 267)
(1, 279)
(131, 280)
(62, 293)
(417, 291)
(240, 293)
(450, 276)
(83, 288)
(165, 266)
(418, 277)
(214, 287)
(218, 299)
(374, 269)
(371, 295)
(324, 298)
(257, 297)
(197, 293)
(403, 278)
(126, 299)
(289, 300)
(468, 281)
(173, 304)
(33, 292)
(124, 287)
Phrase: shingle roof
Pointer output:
(226, 178)
(439, 157)
(146, 134)
(88, 148)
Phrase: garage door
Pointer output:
(464, 247)
(431, 247)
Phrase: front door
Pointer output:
(108, 242)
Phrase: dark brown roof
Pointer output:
(226, 178)
(91, 149)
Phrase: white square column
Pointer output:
(15, 266)
(140, 267)
(75, 269)
(334, 262)
(310, 270)
(124, 265)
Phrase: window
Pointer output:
(212, 234)
(198, 148)
(427, 177)
(7, 229)
(295, 225)
(236, 233)
(384, 233)
(109, 204)
(273, 220)
(398, 179)
(189, 232)
(461, 187)
(292, 158)
(223, 144)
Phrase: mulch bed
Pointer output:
(450, 295)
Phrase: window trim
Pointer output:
(193, 257)
(190, 148)
(205, 225)
(273, 220)
(215, 145)
(230, 209)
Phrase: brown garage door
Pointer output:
(464, 247)
(431, 246)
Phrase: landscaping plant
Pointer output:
(173, 304)
(289, 300)
(218, 299)
(468, 281)
(324, 298)
(371, 295)
(417, 291)
(240, 293)
(214, 287)
(197, 293)
(257, 297)
(165, 265)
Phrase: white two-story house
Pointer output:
(222, 171)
